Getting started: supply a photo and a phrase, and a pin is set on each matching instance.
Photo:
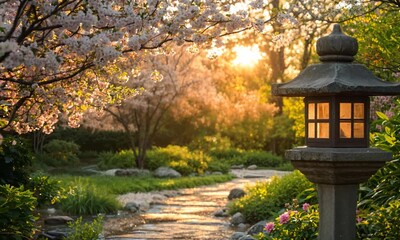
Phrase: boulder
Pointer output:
(237, 166)
(57, 220)
(257, 228)
(237, 219)
(132, 207)
(252, 167)
(221, 213)
(217, 173)
(132, 172)
(52, 235)
(166, 172)
(237, 235)
(236, 193)
(242, 227)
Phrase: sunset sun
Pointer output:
(247, 56)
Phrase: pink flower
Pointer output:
(306, 206)
(269, 227)
(284, 218)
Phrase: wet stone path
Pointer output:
(190, 215)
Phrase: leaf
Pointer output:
(381, 115)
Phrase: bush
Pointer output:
(261, 159)
(15, 160)
(58, 153)
(266, 198)
(294, 223)
(122, 159)
(383, 223)
(178, 158)
(47, 191)
(84, 199)
(85, 231)
(16, 213)
(218, 166)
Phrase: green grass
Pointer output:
(121, 185)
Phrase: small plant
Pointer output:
(58, 153)
(83, 199)
(85, 231)
(294, 223)
(264, 199)
(16, 213)
(47, 191)
(121, 159)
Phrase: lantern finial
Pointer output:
(337, 46)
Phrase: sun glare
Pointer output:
(247, 55)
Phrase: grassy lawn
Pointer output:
(120, 185)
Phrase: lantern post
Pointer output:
(337, 156)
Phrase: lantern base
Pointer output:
(337, 165)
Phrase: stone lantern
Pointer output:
(337, 156)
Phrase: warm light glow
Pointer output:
(247, 56)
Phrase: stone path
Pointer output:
(190, 215)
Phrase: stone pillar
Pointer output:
(337, 173)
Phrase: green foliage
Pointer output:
(97, 141)
(15, 160)
(378, 35)
(382, 223)
(179, 158)
(58, 153)
(85, 231)
(265, 199)
(218, 166)
(261, 159)
(211, 143)
(86, 199)
(121, 159)
(295, 223)
(46, 190)
(16, 213)
(383, 186)
(122, 185)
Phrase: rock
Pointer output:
(52, 235)
(237, 166)
(132, 207)
(144, 206)
(221, 213)
(242, 227)
(165, 172)
(237, 235)
(237, 219)
(110, 172)
(247, 237)
(132, 172)
(236, 193)
(216, 173)
(58, 220)
(257, 228)
(252, 167)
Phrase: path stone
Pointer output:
(57, 220)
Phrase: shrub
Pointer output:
(266, 198)
(59, 153)
(85, 231)
(121, 159)
(218, 166)
(15, 160)
(84, 199)
(16, 213)
(46, 190)
(383, 223)
(294, 223)
(178, 158)
(261, 159)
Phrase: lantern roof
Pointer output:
(337, 74)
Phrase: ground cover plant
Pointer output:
(265, 199)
